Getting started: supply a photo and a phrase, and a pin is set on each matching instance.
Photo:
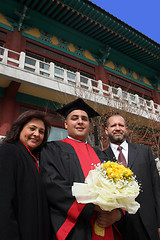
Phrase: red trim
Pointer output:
(118, 234)
(35, 158)
(76, 208)
(70, 221)
(84, 151)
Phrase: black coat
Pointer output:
(24, 211)
(144, 224)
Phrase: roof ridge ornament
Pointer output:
(22, 17)
(104, 54)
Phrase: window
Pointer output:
(60, 57)
(2, 44)
(3, 34)
(30, 64)
(116, 81)
(57, 134)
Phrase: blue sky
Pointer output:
(143, 15)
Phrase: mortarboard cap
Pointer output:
(78, 104)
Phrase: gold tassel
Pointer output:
(99, 230)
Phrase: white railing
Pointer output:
(74, 79)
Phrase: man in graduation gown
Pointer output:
(145, 224)
(67, 161)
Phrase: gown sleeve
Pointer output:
(8, 220)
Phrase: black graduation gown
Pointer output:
(24, 213)
(60, 167)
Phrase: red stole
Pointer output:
(86, 155)
(87, 158)
(35, 159)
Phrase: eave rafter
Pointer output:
(97, 24)
(143, 45)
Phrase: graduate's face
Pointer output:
(77, 124)
(116, 129)
(32, 133)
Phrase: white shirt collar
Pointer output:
(124, 145)
(76, 139)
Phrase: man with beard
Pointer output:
(145, 224)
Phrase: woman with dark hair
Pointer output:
(24, 213)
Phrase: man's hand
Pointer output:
(159, 232)
(106, 218)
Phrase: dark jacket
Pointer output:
(24, 211)
(144, 224)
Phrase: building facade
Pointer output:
(52, 52)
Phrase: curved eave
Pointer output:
(94, 22)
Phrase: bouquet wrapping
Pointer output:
(109, 185)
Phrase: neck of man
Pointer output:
(78, 140)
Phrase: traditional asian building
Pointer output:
(52, 52)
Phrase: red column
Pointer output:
(101, 73)
(156, 96)
(14, 40)
(14, 43)
(8, 107)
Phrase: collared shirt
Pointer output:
(124, 146)
(76, 139)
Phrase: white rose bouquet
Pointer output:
(110, 185)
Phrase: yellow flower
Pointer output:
(109, 185)
(117, 171)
